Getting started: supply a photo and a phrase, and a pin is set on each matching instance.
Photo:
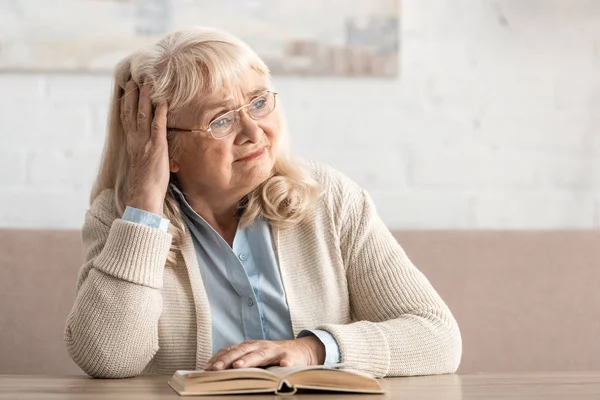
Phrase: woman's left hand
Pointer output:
(308, 350)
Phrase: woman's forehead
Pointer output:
(252, 85)
(230, 97)
(226, 98)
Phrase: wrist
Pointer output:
(316, 349)
(145, 205)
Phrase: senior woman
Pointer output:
(207, 245)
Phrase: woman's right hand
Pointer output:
(147, 148)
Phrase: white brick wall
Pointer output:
(494, 123)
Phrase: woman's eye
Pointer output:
(258, 104)
(221, 122)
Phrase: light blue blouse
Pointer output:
(243, 284)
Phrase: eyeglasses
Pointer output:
(229, 122)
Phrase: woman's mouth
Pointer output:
(253, 155)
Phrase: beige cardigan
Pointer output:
(341, 269)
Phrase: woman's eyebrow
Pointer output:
(228, 103)
(208, 107)
(256, 91)
(217, 104)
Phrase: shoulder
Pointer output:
(340, 196)
(335, 185)
(104, 207)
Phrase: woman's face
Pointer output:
(237, 163)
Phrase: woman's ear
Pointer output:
(173, 166)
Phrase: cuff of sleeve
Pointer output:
(146, 218)
(362, 344)
(332, 350)
(135, 253)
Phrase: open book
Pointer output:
(278, 380)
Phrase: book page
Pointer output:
(267, 373)
(286, 371)
(228, 374)
(225, 371)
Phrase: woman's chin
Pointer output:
(256, 173)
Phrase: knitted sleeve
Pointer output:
(112, 329)
(402, 325)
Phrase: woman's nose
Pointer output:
(249, 128)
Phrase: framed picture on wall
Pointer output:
(294, 37)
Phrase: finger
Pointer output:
(287, 361)
(217, 355)
(130, 106)
(159, 123)
(144, 110)
(258, 358)
(225, 360)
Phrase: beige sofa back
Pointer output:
(524, 300)
(38, 273)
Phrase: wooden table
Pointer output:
(565, 385)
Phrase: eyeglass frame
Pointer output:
(220, 116)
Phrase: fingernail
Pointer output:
(239, 362)
(218, 365)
